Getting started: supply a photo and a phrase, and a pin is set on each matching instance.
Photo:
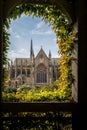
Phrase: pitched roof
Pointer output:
(41, 52)
(23, 61)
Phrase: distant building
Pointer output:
(39, 70)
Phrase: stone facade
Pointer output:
(39, 70)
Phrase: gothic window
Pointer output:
(28, 73)
(37, 78)
(41, 77)
(45, 77)
(12, 73)
(23, 72)
(54, 74)
(18, 72)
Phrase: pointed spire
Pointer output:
(49, 54)
(41, 46)
(31, 49)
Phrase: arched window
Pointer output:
(18, 72)
(41, 77)
(28, 72)
(23, 71)
(12, 75)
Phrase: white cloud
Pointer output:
(10, 30)
(56, 56)
(22, 50)
(39, 25)
(17, 36)
(18, 54)
(49, 32)
(41, 30)
(13, 54)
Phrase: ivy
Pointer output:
(64, 38)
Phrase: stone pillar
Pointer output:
(15, 71)
(15, 68)
(75, 73)
(32, 75)
(50, 74)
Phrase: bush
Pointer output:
(10, 89)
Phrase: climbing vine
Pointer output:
(64, 38)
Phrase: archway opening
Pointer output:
(56, 125)
(64, 36)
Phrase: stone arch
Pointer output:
(64, 5)
(41, 67)
(68, 8)
(79, 110)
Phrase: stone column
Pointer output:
(75, 67)
(50, 74)
(15, 71)
(75, 73)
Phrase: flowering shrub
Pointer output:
(32, 95)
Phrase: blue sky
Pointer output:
(24, 29)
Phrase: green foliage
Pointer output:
(24, 88)
(25, 94)
(5, 41)
(10, 89)
(37, 121)
(66, 78)
(6, 44)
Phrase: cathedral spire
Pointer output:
(49, 54)
(31, 49)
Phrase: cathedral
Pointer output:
(36, 70)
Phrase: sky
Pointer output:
(25, 28)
